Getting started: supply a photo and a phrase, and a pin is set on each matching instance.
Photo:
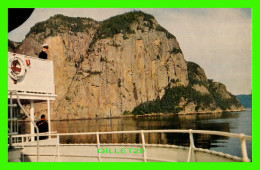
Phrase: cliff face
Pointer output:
(214, 93)
(105, 68)
(199, 96)
(12, 46)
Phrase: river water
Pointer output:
(235, 122)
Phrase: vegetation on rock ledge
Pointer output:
(122, 24)
(60, 24)
(170, 102)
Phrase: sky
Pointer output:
(218, 39)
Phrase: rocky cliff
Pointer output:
(201, 95)
(115, 66)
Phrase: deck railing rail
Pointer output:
(242, 137)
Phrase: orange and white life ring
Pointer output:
(16, 68)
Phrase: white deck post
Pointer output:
(58, 142)
(143, 145)
(32, 118)
(49, 117)
(243, 148)
(98, 146)
(11, 113)
(192, 146)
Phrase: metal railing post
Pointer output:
(143, 145)
(192, 146)
(16, 116)
(98, 146)
(49, 117)
(243, 148)
(57, 149)
(22, 142)
(11, 123)
(11, 111)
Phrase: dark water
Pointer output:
(235, 122)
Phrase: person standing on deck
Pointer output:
(43, 54)
(43, 127)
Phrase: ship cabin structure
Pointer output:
(30, 80)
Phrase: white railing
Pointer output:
(243, 138)
(26, 113)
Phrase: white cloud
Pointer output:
(219, 40)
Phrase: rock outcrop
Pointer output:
(105, 68)
(12, 46)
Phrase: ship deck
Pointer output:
(52, 150)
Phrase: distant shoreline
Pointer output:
(152, 115)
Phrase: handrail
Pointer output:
(36, 127)
(37, 94)
(227, 134)
(192, 147)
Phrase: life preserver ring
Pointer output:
(16, 68)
